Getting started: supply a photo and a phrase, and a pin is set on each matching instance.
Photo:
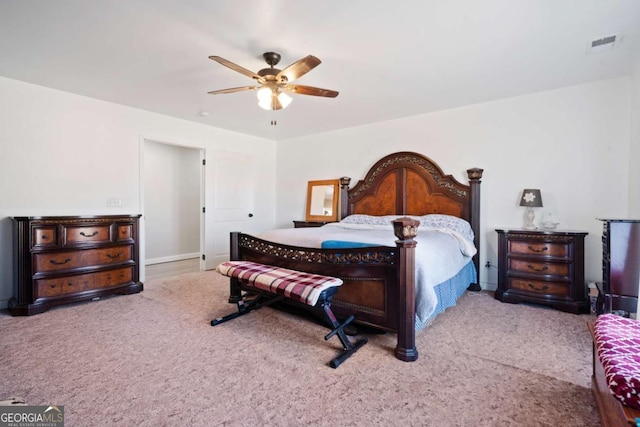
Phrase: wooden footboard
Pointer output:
(379, 282)
(612, 412)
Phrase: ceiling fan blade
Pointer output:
(310, 90)
(233, 89)
(298, 68)
(235, 67)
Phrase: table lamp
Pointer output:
(531, 198)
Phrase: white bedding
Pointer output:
(440, 253)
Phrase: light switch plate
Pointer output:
(114, 202)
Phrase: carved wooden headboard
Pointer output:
(407, 183)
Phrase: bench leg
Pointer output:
(245, 308)
(338, 329)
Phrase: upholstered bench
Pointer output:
(616, 369)
(270, 284)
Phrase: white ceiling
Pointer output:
(387, 59)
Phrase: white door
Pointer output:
(229, 206)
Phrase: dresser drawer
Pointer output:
(532, 247)
(44, 236)
(59, 286)
(120, 276)
(539, 286)
(535, 267)
(124, 232)
(53, 261)
(46, 288)
(87, 234)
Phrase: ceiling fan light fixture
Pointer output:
(272, 99)
(284, 99)
(264, 95)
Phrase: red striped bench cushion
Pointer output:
(296, 285)
(618, 346)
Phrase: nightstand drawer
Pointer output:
(536, 267)
(539, 287)
(532, 247)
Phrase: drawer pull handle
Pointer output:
(53, 286)
(88, 235)
(534, 268)
(534, 249)
(114, 256)
(544, 288)
(54, 262)
(69, 284)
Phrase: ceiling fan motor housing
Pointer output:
(272, 58)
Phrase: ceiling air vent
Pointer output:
(603, 43)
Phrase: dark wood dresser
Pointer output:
(60, 260)
(620, 266)
(542, 267)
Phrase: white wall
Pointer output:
(172, 205)
(572, 143)
(63, 154)
(634, 154)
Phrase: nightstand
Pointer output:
(307, 224)
(542, 267)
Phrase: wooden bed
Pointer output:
(379, 282)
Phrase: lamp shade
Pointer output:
(531, 198)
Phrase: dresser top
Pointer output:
(618, 220)
(541, 231)
(75, 217)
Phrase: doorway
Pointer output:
(172, 178)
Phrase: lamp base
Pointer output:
(530, 216)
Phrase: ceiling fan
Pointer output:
(273, 84)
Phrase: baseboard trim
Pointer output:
(161, 260)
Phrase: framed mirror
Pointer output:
(322, 200)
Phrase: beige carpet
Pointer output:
(152, 359)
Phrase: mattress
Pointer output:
(445, 247)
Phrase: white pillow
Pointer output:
(374, 220)
(449, 222)
(438, 221)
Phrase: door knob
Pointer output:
(250, 215)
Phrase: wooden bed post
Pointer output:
(475, 176)
(344, 197)
(405, 230)
(235, 293)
